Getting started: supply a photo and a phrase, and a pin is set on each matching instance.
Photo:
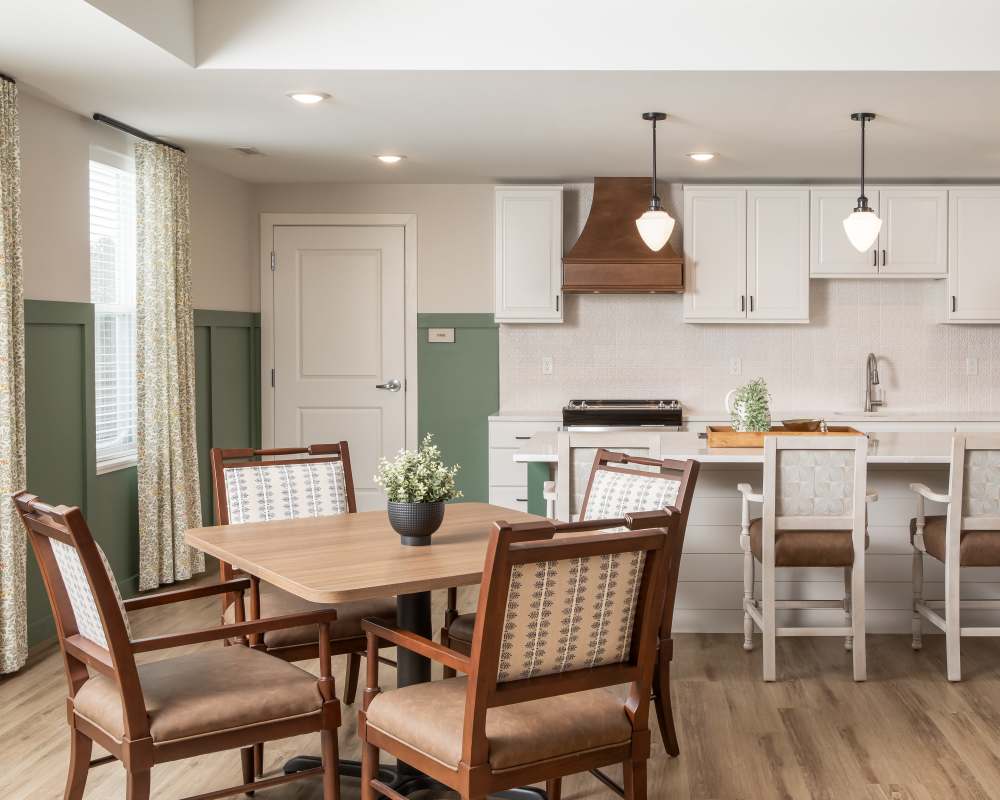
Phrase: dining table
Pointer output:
(358, 556)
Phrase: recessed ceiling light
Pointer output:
(389, 159)
(701, 156)
(309, 98)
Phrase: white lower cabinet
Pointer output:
(509, 479)
(746, 254)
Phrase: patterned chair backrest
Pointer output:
(70, 576)
(258, 491)
(580, 604)
(816, 480)
(976, 466)
(615, 489)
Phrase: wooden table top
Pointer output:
(357, 556)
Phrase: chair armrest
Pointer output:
(417, 644)
(233, 631)
(179, 595)
(924, 491)
(748, 493)
(871, 497)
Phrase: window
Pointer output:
(112, 290)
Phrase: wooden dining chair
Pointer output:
(288, 483)
(621, 483)
(179, 707)
(814, 516)
(558, 622)
(966, 535)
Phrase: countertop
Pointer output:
(884, 448)
(888, 415)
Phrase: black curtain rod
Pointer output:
(136, 132)
(7, 78)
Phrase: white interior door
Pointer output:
(339, 343)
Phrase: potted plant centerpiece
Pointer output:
(417, 484)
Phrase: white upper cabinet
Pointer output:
(715, 254)
(913, 241)
(778, 255)
(746, 254)
(832, 254)
(528, 256)
(974, 255)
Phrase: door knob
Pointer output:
(391, 385)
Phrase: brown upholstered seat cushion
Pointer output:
(462, 628)
(429, 717)
(210, 690)
(275, 602)
(805, 548)
(977, 548)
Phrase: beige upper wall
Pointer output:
(55, 151)
(454, 232)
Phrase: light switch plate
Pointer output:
(735, 366)
(546, 365)
(441, 335)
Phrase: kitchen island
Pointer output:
(710, 591)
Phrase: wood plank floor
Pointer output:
(906, 734)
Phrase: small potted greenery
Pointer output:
(417, 484)
(749, 407)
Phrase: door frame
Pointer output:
(408, 222)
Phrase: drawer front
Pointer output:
(514, 434)
(512, 497)
(504, 471)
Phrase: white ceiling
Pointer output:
(136, 62)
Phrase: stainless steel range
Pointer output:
(604, 414)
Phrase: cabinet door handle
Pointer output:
(954, 305)
(521, 499)
(751, 304)
(520, 438)
(743, 302)
(883, 258)
(557, 302)
(875, 263)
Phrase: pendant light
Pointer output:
(862, 225)
(656, 225)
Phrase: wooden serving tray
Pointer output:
(725, 436)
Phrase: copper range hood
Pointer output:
(610, 257)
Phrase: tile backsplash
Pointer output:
(638, 346)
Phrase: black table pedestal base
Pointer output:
(405, 782)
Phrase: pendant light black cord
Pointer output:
(864, 117)
(653, 180)
(654, 117)
(863, 159)
(126, 128)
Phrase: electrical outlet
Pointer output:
(546, 365)
(735, 366)
(971, 366)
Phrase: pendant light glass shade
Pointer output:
(655, 228)
(862, 228)
(656, 225)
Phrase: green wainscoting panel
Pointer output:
(459, 387)
(538, 473)
(59, 400)
(227, 360)
(59, 377)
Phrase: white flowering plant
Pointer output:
(418, 476)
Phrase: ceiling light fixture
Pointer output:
(389, 159)
(309, 98)
(656, 225)
(862, 225)
(701, 156)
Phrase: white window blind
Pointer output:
(112, 290)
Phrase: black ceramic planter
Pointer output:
(415, 522)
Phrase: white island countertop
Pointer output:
(883, 448)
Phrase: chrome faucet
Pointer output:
(871, 381)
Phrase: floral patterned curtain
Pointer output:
(169, 496)
(13, 543)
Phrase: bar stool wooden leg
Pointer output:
(858, 616)
(849, 640)
(918, 597)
